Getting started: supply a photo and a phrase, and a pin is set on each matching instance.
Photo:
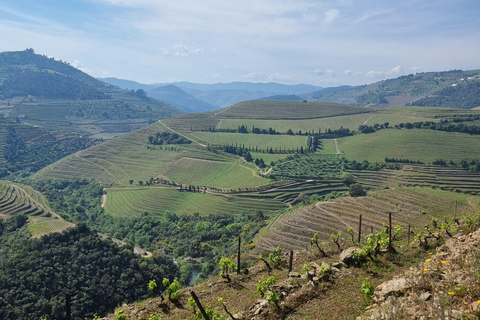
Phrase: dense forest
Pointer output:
(27, 59)
(47, 84)
(96, 273)
(29, 158)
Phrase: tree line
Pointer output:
(161, 138)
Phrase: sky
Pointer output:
(325, 43)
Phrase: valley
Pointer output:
(85, 158)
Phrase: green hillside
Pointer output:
(17, 199)
(128, 202)
(454, 89)
(52, 94)
(132, 157)
(421, 145)
(131, 161)
(262, 109)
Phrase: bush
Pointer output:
(356, 190)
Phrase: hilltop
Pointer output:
(176, 96)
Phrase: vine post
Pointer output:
(390, 249)
(199, 305)
(359, 228)
(238, 256)
(408, 237)
(290, 261)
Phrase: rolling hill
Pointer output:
(176, 96)
(52, 94)
(138, 174)
(454, 89)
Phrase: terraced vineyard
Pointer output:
(293, 230)
(447, 178)
(3, 140)
(351, 122)
(264, 109)
(18, 199)
(156, 200)
(129, 157)
(415, 144)
(252, 141)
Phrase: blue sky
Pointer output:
(325, 43)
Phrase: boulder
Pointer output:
(346, 256)
(395, 287)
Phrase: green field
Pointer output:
(213, 173)
(128, 202)
(415, 144)
(264, 109)
(252, 140)
(351, 122)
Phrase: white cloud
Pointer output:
(272, 77)
(375, 74)
(396, 70)
(279, 77)
(320, 72)
(348, 72)
(331, 15)
(330, 73)
(379, 74)
(77, 64)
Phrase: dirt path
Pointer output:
(366, 121)
(104, 200)
(203, 145)
(336, 146)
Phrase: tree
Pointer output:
(356, 190)
(130, 181)
(290, 132)
(347, 177)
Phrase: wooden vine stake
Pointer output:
(390, 248)
(199, 305)
(238, 256)
(359, 228)
(290, 262)
(408, 235)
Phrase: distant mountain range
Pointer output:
(206, 97)
(455, 89)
